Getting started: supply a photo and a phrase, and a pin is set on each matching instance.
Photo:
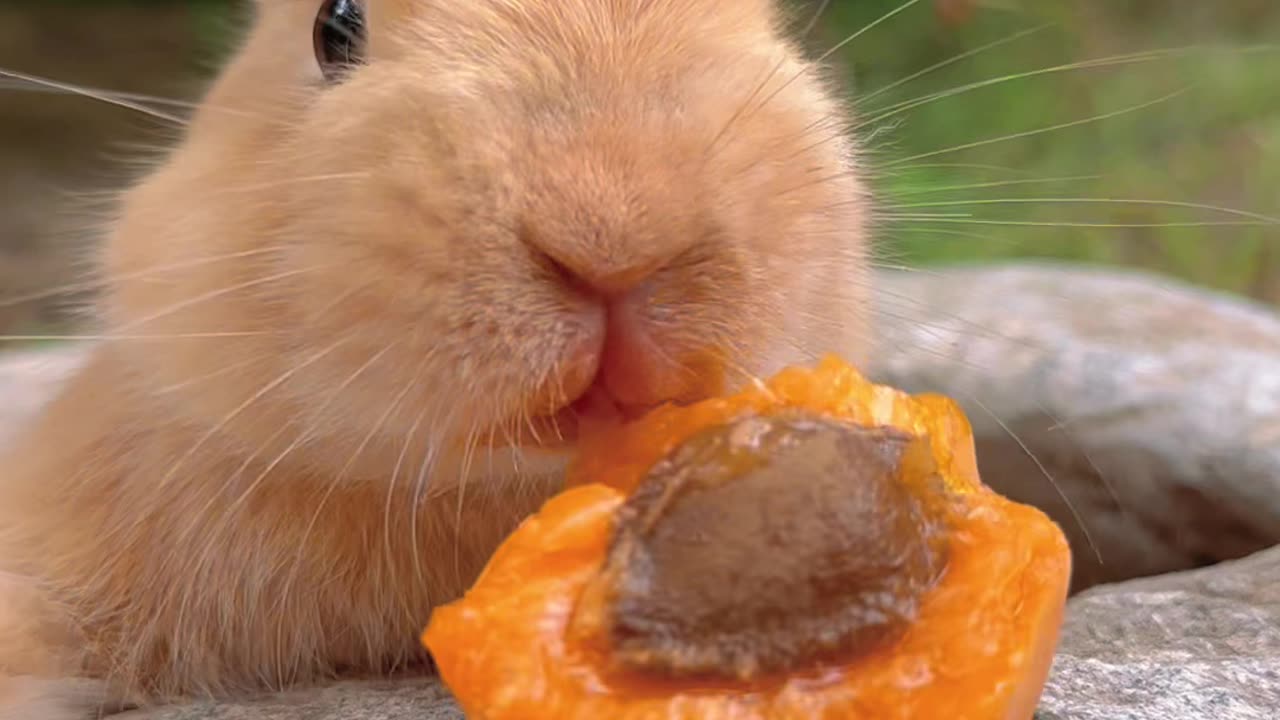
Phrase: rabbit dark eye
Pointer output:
(339, 37)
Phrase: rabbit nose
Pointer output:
(624, 361)
(634, 369)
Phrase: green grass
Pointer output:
(1216, 143)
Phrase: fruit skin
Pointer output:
(980, 649)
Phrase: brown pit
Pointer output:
(770, 544)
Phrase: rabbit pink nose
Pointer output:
(634, 369)
(619, 368)
(624, 368)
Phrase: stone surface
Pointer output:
(1154, 407)
(1149, 411)
(1201, 645)
(382, 700)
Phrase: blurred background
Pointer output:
(1117, 132)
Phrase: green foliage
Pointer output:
(1215, 143)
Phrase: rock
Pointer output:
(1143, 415)
(1200, 645)
(371, 700)
(1155, 408)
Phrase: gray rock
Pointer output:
(371, 700)
(1201, 645)
(1154, 407)
(1143, 415)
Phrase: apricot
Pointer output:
(817, 546)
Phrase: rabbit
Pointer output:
(402, 255)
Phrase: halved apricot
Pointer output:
(817, 546)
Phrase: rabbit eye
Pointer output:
(339, 37)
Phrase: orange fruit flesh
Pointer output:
(980, 648)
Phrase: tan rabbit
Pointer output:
(404, 249)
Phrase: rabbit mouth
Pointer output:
(603, 395)
(593, 410)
